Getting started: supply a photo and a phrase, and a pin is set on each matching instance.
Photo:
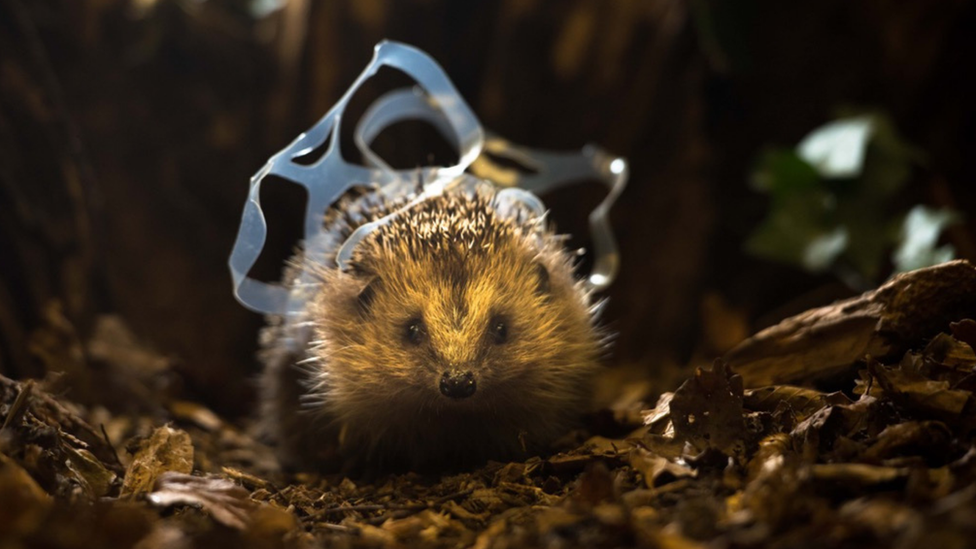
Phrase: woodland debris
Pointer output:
(167, 450)
(830, 341)
(25, 504)
(707, 410)
(890, 460)
(228, 503)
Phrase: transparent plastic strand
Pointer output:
(436, 101)
(329, 177)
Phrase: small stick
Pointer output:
(20, 405)
(338, 528)
(399, 509)
(406, 511)
(109, 442)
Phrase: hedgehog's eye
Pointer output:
(498, 329)
(415, 331)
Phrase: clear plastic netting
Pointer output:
(433, 100)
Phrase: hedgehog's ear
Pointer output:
(364, 301)
(543, 286)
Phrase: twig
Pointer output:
(20, 405)
(338, 528)
(370, 507)
(399, 511)
(455, 495)
(406, 512)
(109, 443)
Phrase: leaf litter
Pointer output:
(887, 461)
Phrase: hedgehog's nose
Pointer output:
(458, 384)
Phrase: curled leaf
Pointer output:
(89, 470)
(223, 500)
(658, 470)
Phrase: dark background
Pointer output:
(129, 130)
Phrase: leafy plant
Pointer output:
(831, 204)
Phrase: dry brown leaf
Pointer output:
(595, 485)
(707, 410)
(657, 470)
(196, 414)
(965, 331)
(857, 474)
(657, 418)
(165, 536)
(885, 518)
(567, 463)
(24, 504)
(914, 390)
(926, 437)
(90, 471)
(950, 352)
(460, 513)
(802, 401)
(223, 500)
(426, 524)
(770, 454)
(166, 450)
(511, 472)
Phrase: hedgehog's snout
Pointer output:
(458, 384)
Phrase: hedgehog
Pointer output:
(455, 335)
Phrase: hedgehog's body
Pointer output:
(456, 335)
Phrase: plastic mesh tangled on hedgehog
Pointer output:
(425, 325)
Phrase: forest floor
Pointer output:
(885, 458)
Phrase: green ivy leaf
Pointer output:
(830, 203)
(919, 236)
(781, 171)
(795, 220)
(837, 150)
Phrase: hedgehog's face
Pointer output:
(454, 329)
(462, 329)
(500, 333)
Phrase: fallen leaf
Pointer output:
(89, 470)
(707, 410)
(595, 485)
(223, 500)
(950, 352)
(857, 474)
(927, 438)
(801, 400)
(165, 536)
(657, 470)
(195, 413)
(811, 432)
(657, 418)
(25, 504)
(965, 331)
(166, 450)
(916, 391)
(885, 518)
(770, 456)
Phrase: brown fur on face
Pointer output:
(448, 285)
